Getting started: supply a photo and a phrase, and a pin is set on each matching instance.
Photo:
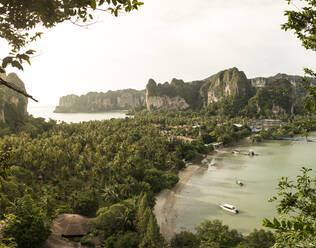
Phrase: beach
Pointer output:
(165, 200)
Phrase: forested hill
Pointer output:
(13, 106)
(231, 93)
(100, 102)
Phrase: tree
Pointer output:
(258, 239)
(26, 225)
(215, 234)
(152, 238)
(296, 225)
(5, 157)
(85, 203)
(303, 23)
(20, 20)
(185, 240)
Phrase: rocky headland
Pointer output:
(230, 89)
(13, 106)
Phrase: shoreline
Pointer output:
(164, 209)
(165, 201)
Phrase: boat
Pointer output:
(251, 153)
(229, 208)
(240, 183)
(236, 151)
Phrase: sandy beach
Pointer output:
(164, 210)
(165, 200)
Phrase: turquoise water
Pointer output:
(200, 198)
(48, 113)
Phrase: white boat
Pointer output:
(240, 183)
(251, 153)
(229, 208)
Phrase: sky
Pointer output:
(165, 39)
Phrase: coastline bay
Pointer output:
(201, 195)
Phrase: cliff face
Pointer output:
(100, 102)
(177, 95)
(295, 81)
(230, 91)
(165, 102)
(228, 83)
(13, 106)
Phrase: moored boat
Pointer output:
(240, 183)
(229, 208)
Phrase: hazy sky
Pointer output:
(166, 38)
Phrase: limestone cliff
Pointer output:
(230, 92)
(296, 81)
(177, 95)
(13, 106)
(231, 82)
(278, 96)
(100, 102)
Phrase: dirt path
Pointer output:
(165, 201)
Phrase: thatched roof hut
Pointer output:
(68, 226)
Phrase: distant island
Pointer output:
(94, 102)
(227, 91)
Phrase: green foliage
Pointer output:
(310, 100)
(115, 218)
(296, 225)
(215, 234)
(5, 157)
(302, 22)
(7, 243)
(188, 91)
(26, 225)
(142, 215)
(121, 239)
(185, 240)
(258, 239)
(85, 203)
(152, 237)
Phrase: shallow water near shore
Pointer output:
(200, 197)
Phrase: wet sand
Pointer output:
(164, 209)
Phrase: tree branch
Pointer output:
(16, 89)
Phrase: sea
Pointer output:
(47, 112)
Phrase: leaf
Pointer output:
(267, 223)
(93, 4)
(30, 52)
(17, 65)
(6, 61)
(276, 223)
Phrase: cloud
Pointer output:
(165, 39)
